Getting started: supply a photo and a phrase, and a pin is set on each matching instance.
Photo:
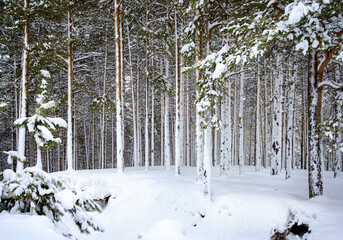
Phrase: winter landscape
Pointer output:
(171, 120)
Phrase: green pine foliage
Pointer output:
(35, 192)
(40, 124)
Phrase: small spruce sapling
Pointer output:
(40, 124)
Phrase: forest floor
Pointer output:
(156, 205)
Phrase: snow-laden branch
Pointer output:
(331, 84)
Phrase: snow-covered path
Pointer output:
(156, 205)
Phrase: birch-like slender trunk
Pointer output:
(103, 109)
(70, 94)
(119, 111)
(207, 165)
(24, 86)
(339, 115)
(258, 122)
(241, 125)
(162, 125)
(199, 130)
(134, 116)
(152, 127)
(289, 141)
(146, 134)
(225, 148)
(167, 147)
(228, 132)
(276, 124)
(139, 130)
(178, 132)
(188, 116)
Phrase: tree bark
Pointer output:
(24, 86)
(119, 112)
(314, 169)
(70, 93)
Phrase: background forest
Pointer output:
(194, 83)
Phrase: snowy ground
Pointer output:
(156, 205)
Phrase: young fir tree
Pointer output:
(40, 124)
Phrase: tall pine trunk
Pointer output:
(314, 167)
(241, 125)
(178, 132)
(70, 94)
(258, 123)
(119, 112)
(276, 124)
(24, 87)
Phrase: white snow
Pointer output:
(9, 175)
(3, 105)
(166, 230)
(58, 122)
(297, 12)
(187, 48)
(67, 198)
(219, 71)
(15, 227)
(157, 205)
(16, 155)
(45, 73)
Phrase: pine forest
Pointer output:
(179, 119)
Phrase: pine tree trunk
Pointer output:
(289, 141)
(188, 116)
(276, 125)
(162, 125)
(134, 116)
(178, 132)
(70, 94)
(258, 123)
(24, 87)
(199, 130)
(339, 116)
(241, 126)
(314, 168)
(119, 111)
(167, 150)
(208, 145)
(152, 127)
(103, 109)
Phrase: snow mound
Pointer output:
(166, 230)
(67, 198)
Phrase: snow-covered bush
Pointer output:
(36, 192)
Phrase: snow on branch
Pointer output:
(331, 84)
(14, 155)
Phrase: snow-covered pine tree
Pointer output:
(40, 124)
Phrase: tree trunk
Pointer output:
(134, 116)
(276, 124)
(258, 123)
(339, 116)
(167, 150)
(199, 130)
(119, 112)
(314, 169)
(103, 109)
(289, 141)
(152, 127)
(178, 132)
(241, 125)
(24, 86)
(70, 94)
